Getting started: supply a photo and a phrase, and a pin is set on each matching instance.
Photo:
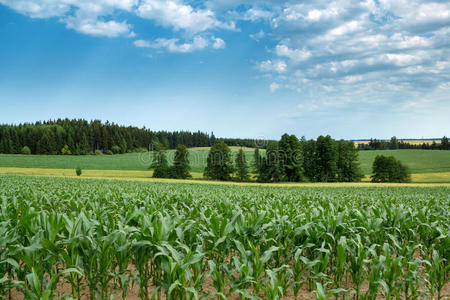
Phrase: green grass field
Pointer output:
(130, 161)
(419, 161)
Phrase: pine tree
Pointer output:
(212, 140)
(326, 156)
(291, 158)
(348, 169)
(445, 145)
(241, 166)
(219, 165)
(272, 167)
(393, 144)
(181, 166)
(160, 165)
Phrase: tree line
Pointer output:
(79, 137)
(394, 144)
(290, 159)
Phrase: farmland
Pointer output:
(419, 161)
(95, 238)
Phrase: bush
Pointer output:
(389, 169)
(66, 150)
(78, 171)
(109, 152)
(116, 149)
(25, 150)
(98, 152)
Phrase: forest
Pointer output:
(79, 137)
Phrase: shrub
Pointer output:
(25, 150)
(116, 149)
(98, 152)
(66, 150)
(389, 169)
(109, 152)
(78, 171)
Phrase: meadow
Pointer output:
(90, 239)
(419, 161)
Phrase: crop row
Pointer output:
(189, 241)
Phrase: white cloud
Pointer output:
(141, 44)
(99, 17)
(100, 28)
(174, 44)
(295, 55)
(176, 14)
(254, 14)
(278, 66)
(274, 87)
(38, 8)
(346, 28)
(218, 43)
(258, 36)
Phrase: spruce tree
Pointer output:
(181, 166)
(291, 158)
(272, 166)
(348, 169)
(445, 145)
(241, 166)
(219, 165)
(160, 165)
(326, 158)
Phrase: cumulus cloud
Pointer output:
(99, 17)
(176, 14)
(274, 87)
(218, 43)
(295, 55)
(100, 28)
(340, 50)
(278, 66)
(364, 52)
(87, 17)
(176, 46)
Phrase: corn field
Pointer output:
(98, 239)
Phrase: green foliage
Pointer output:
(241, 168)
(393, 144)
(181, 166)
(272, 165)
(78, 171)
(83, 137)
(65, 150)
(445, 145)
(219, 165)
(116, 149)
(25, 150)
(389, 169)
(326, 159)
(160, 165)
(347, 164)
(98, 152)
(196, 241)
(291, 158)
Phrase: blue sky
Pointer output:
(236, 67)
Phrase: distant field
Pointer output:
(419, 161)
(412, 142)
(130, 161)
